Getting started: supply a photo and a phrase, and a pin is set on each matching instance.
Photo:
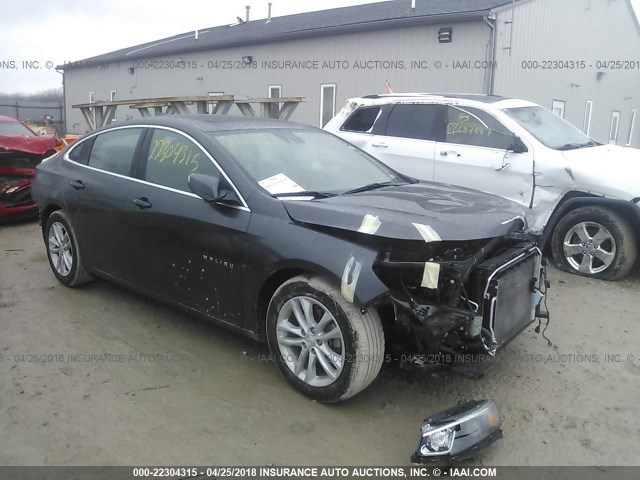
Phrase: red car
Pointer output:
(21, 150)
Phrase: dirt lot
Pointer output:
(175, 390)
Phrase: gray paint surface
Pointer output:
(450, 213)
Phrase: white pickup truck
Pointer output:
(582, 197)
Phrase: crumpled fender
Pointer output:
(348, 263)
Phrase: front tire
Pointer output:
(62, 251)
(594, 242)
(323, 345)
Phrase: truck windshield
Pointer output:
(551, 130)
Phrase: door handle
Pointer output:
(379, 145)
(77, 184)
(452, 152)
(142, 202)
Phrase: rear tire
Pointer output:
(332, 333)
(594, 242)
(62, 251)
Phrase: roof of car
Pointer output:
(470, 99)
(4, 118)
(213, 123)
(457, 96)
(372, 16)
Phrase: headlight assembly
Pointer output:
(459, 433)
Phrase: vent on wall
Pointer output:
(445, 35)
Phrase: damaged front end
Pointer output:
(17, 171)
(462, 297)
(21, 151)
(459, 272)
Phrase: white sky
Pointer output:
(67, 30)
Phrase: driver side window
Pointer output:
(172, 157)
(471, 126)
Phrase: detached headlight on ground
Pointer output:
(459, 433)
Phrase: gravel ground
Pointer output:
(177, 390)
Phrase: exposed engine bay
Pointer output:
(470, 297)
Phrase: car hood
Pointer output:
(21, 143)
(421, 211)
(607, 169)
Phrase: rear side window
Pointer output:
(114, 151)
(414, 121)
(362, 120)
(80, 153)
(172, 157)
(470, 126)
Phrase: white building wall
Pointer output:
(543, 31)
(589, 31)
(400, 45)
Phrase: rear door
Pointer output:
(408, 141)
(187, 250)
(474, 154)
(358, 128)
(99, 173)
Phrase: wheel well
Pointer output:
(633, 221)
(269, 288)
(46, 213)
(385, 311)
(598, 201)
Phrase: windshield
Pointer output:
(296, 161)
(548, 128)
(13, 129)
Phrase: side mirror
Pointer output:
(212, 189)
(518, 146)
(209, 188)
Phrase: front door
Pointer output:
(187, 250)
(475, 155)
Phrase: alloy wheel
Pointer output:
(589, 248)
(60, 249)
(310, 341)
